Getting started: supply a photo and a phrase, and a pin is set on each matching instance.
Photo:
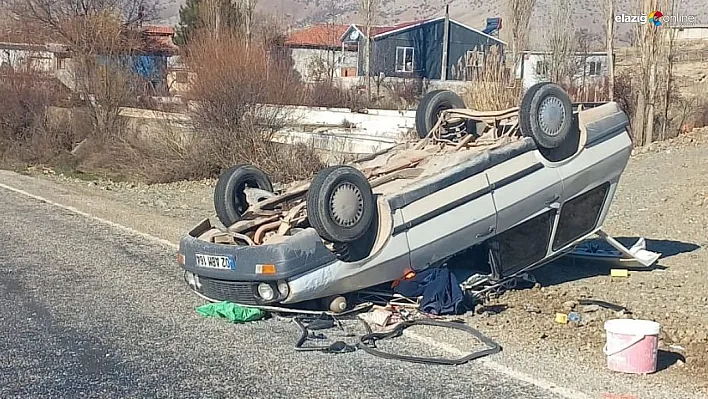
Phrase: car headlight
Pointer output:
(283, 288)
(266, 291)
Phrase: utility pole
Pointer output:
(446, 43)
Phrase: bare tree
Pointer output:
(249, 8)
(609, 11)
(559, 42)
(369, 9)
(519, 16)
(585, 42)
(649, 40)
(101, 35)
(323, 64)
(54, 14)
(670, 61)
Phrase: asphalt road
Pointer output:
(90, 311)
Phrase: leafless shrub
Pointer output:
(493, 87)
(233, 83)
(330, 94)
(24, 119)
(559, 41)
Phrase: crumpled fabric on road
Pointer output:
(230, 311)
(440, 289)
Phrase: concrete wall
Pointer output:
(312, 63)
(321, 128)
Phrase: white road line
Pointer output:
(500, 368)
(487, 362)
(126, 229)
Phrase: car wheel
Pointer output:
(546, 115)
(229, 196)
(428, 111)
(340, 204)
(360, 248)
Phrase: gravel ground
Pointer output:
(663, 196)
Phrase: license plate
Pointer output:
(214, 262)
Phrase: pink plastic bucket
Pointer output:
(632, 345)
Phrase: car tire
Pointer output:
(229, 196)
(428, 111)
(360, 248)
(546, 115)
(340, 204)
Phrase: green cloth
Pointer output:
(231, 311)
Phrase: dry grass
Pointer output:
(494, 87)
(24, 133)
(232, 82)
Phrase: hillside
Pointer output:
(586, 13)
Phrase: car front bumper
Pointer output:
(236, 279)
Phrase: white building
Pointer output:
(534, 65)
(692, 32)
(43, 58)
(318, 52)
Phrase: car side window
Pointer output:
(579, 216)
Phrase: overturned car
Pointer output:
(523, 186)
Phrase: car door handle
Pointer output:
(553, 201)
(489, 231)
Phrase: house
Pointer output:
(417, 49)
(147, 62)
(591, 67)
(31, 57)
(318, 52)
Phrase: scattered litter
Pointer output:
(382, 322)
(603, 304)
(574, 316)
(678, 348)
(619, 272)
(439, 288)
(561, 318)
(308, 323)
(367, 343)
(637, 255)
(230, 311)
(379, 317)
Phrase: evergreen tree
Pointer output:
(188, 21)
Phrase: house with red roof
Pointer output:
(318, 52)
(411, 49)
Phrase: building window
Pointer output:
(595, 68)
(474, 64)
(542, 68)
(404, 59)
(60, 63)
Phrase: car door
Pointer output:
(526, 194)
(452, 218)
(591, 177)
(523, 187)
